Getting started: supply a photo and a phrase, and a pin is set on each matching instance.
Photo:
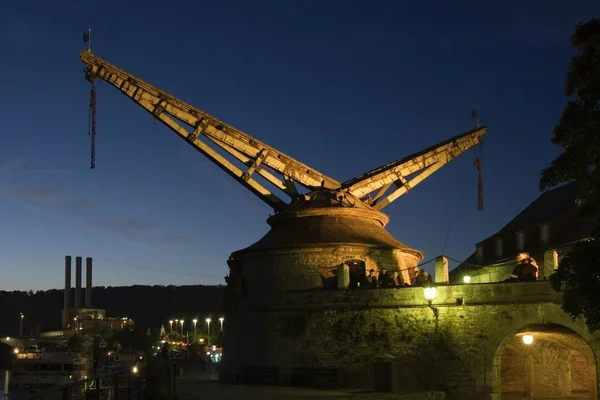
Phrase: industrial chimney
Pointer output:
(77, 282)
(88, 282)
(67, 304)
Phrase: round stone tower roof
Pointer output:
(325, 227)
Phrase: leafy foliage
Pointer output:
(578, 133)
(92, 343)
(578, 277)
(136, 339)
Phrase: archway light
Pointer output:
(467, 279)
(527, 339)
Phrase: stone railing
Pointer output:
(446, 295)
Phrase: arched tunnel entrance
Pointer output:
(547, 362)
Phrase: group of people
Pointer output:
(525, 271)
(394, 280)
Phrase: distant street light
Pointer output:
(195, 321)
(181, 326)
(171, 326)
(221, 321)
(208, 329)
(21, 325)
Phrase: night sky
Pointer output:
(343, 86)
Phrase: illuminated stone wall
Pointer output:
(579, 371)
(513, 372)
(316, 267)
(459, 353)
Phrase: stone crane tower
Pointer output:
(324, 233)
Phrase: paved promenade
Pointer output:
(195, 385)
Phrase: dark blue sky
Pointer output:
(343, 86)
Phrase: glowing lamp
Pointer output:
(466, 279)
(527, 339)
(430, 293)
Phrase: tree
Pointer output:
(136, 339)
(578, 133)
(578, 277)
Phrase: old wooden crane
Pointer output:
(201, 130)
(321, 229)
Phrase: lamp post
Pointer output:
(208, 329)
(430, 292)
(221, 321)
(21, 324)
(181, 326)
(195, 321)
(171, 326)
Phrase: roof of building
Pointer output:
(549, 206)
(544, 208)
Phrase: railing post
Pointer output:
(139, 385)
(97, 383)
(129, 384)
(174, 375)
(116, 384)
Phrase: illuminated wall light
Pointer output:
(430, 293)
(466, 279)
(527, 339)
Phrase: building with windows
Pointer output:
(544, 230)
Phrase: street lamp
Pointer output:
(21, 324)
(430, 292)
(195, 321)
(221, 321)
(171, 325)
(181, 326)
(208, 329)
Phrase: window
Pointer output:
(499, 247)
(479, 253)
(520, 241)
(545, 233)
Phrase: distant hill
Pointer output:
(148, 306)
